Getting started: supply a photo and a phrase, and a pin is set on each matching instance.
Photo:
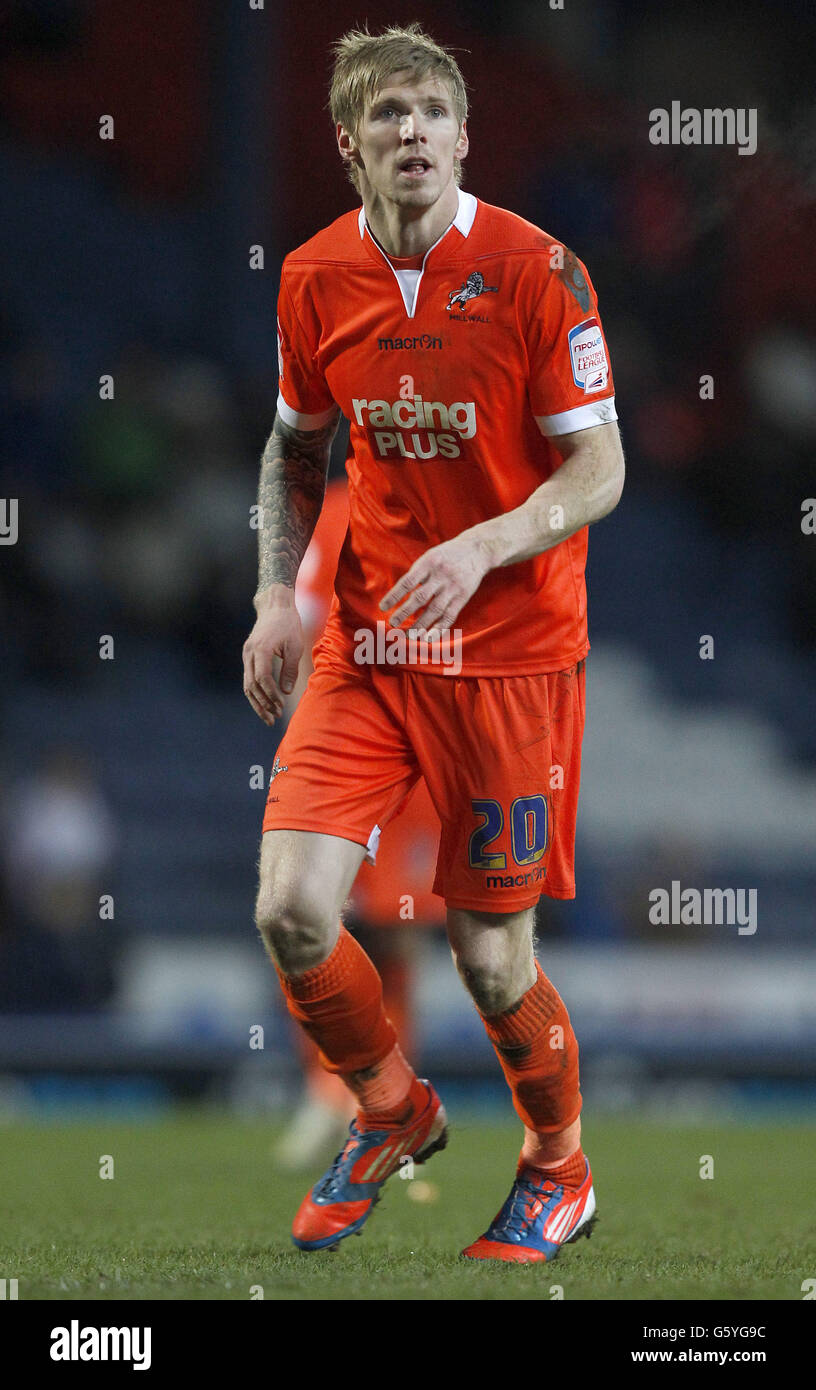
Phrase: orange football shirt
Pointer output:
(455, 379)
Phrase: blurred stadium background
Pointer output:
(130, 776)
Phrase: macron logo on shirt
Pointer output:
(417, 429)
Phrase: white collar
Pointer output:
(463, 221)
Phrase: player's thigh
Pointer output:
(304, 879)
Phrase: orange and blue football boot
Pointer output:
(538, 1218)
(342, 1201)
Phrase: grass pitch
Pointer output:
(197, 1210)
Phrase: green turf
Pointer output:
(197, 1210)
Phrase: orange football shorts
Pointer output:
(398, 892)
(501, 758)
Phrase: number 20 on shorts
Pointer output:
(528, 832)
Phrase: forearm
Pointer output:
(584, 489)
(291, 489)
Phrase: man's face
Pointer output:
(407, 141)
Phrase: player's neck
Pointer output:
(405, 231)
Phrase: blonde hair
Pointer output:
(363, 62)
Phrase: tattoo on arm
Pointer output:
(290, 495)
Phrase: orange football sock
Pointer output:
(339, 1003)
(390, 1094)
(570, 1170)
(538, 1053)
(340, 1006)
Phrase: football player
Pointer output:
(465, 347)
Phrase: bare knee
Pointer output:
(494, 957)
(296, 928)
(304, 878)
(487, 985)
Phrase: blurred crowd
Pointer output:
(134, 510)
(57, 950)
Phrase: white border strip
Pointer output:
(583, 417)
(297, 421)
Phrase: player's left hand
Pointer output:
(441, 581)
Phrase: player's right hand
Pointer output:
(276, 637)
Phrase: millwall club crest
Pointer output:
(473, 286)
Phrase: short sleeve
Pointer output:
(570, 383)
(304, 399)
